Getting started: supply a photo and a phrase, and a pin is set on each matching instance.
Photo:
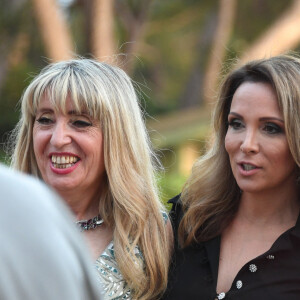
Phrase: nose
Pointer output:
(60, 135)
(250, 143)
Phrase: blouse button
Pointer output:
(252, 268)
(239, 284)
(221, 296)
(270, 256)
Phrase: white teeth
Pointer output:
(67, 159)
(71, 159)
(58, 159)
(248, 167)
(63, 160)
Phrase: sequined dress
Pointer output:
(109, 277)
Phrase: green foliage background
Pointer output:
(174, 52)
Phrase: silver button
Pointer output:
(270, 256)
(239, 284)
(252, 268)
(221, 296)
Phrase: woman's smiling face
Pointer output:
(68, 148)
(256, 143)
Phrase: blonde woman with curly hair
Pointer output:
(237, 218)
(82, 132)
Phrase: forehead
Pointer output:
(68, 105)
(255, 97)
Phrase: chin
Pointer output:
(62, 185)
(247, 188)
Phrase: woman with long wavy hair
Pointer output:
(237, 224)
(82, 132)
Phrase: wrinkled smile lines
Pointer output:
(63, 160)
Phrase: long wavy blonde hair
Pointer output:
(129, 201)
(211, 195)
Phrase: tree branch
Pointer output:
(54, 30)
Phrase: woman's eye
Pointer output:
(272, 128)
(235, 124)
(44, 121)
(81, 124)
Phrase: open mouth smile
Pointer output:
(63, 161)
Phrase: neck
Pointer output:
(270, 207)
(84, 204)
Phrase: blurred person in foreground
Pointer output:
(237, 218)
(81, 130)
(41, 253)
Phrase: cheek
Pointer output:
(100, 156)
(35, 140)
(229, 143)
(96, 144)
(39, 140)
(283, 157)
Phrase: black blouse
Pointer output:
(274, 275)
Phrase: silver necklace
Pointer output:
(89, 224)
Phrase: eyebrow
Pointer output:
(260, 119)
(76, 113)
(70, 112)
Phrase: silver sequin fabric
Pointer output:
(111, 280)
